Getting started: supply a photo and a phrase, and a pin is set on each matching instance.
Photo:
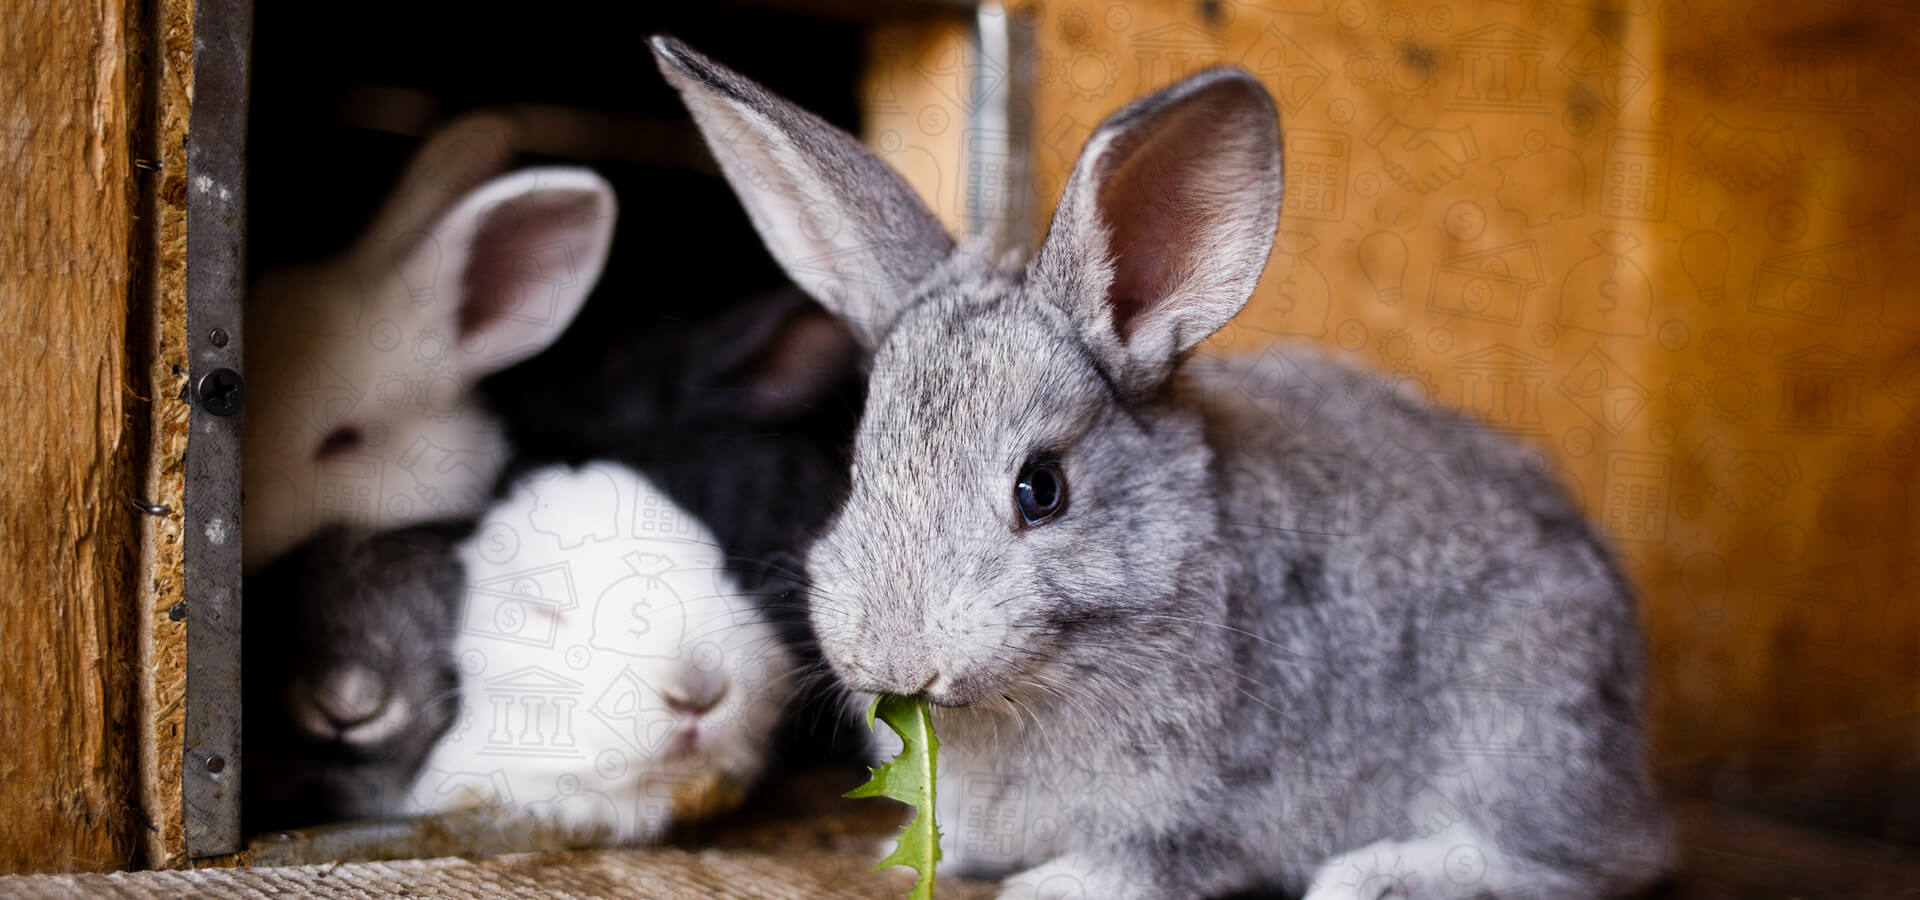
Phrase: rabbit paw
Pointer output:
(1074, 878)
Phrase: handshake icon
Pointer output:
(1744, 159)
(1423, 159)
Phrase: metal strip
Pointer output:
(216, 277)
(1000, 197)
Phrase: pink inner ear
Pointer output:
(526, 244)
(1165, 186)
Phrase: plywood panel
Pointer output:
(1671, 245)
(67, 525)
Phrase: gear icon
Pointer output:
(1047, 68)
(397, 391)
(1076, 26)
(1396, 348)
(1718, 347)
(430, 349)
(1364, 69)
(1090, 76)
(1410, 80)
(440, 398)
(1416, 387)
(1734, 395)
(1686, 390)
(1396, 25)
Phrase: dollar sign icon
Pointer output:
(1798, 296)
(1610, 296)
(1285, 292)
(509, 617)
(1477, 295)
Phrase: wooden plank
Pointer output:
(68, 529)
(159, 328)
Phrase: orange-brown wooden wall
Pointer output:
(1671, 243)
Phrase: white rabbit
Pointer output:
(361, 368)
(612, 678)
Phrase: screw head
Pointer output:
(178, 611)
(221, 392)
(216, 764)
(218, 336)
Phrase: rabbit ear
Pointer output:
(508, 267)
(774, 359)
(1166, 222)
(845, 227)
(457, 158)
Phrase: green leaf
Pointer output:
(908, 778)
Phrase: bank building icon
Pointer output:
(1503, 386)
(1172, 52)
(1499, 71)
(1499, 715)
(530, 714)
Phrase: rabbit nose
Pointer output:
(350, 695)
(696, 693)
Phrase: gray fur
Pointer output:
(1282, 632)
(348, 598)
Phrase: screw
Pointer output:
(221, 392)
(216, 764)
(218, 336)
(177, 611)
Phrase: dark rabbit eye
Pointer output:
(1041, 492)
(340, 440)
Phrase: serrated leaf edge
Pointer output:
(915, 729)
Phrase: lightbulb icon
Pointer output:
(416, 262)
(1703, 256)
(1383, 260)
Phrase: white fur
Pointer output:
(592, 598)
(376, 341)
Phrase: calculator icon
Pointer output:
(348, 488)
(660, 519)
(993, 188)
(1317, 164)
(1636, 493)
(1636, 169)
(993, 816)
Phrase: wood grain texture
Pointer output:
(67, 528)
(1725, 369)
(159, 330)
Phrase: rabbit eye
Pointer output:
(1041, 492)
(340, 440)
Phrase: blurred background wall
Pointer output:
(1668, 243)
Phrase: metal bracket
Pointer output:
(999, 133)
(216, 282)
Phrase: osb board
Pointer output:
(1721, 856)
(1722, 360)
(162, 636)
(67, 527)
(652, 873)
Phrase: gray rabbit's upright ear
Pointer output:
(845, 227)
(1166, 223)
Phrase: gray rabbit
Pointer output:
(1191, 627)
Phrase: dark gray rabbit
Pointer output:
(349, 676)
(1192, 628)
